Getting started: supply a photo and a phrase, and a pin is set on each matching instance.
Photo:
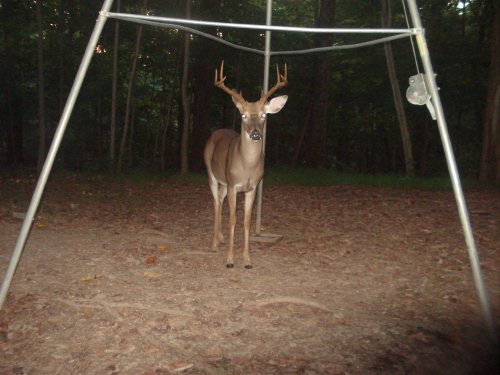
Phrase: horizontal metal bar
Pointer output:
(197, 32)
(127, 16)
(271, 53)
(340, 47)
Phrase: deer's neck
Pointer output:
(251, 151)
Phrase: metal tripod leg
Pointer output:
(452, 168)
(49, 161)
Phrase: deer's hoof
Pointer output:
(229, 265)
(248, 266)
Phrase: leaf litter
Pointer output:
(364, 280)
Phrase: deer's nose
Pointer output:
(255, 135)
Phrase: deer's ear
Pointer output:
(276, 104)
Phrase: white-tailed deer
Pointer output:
(235, 162)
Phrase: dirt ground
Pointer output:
(117, 278)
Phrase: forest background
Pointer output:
(343, 111)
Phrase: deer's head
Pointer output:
(254, 114)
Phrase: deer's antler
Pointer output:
(219, 82)
(281, 81)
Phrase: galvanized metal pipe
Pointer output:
(452, 168)
(126, 16)
(49, 161)
(267, 58)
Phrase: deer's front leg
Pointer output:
(231, 197)
(249, 199)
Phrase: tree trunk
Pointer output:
(185, 98)
(202, 93)
(15, 121)
(490, 160)
(60, 46)
(424, 148)
(205, 57)
(396, 92)
(128, 106)
(237, 82)
(114, 84)
(169, 104)
(299, 139)
(202, 98)
(166, 125)
(131, 137)
(41, 89)
(99, 128)
(318, 121)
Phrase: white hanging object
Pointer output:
(417, 93)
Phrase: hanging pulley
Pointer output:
(417, 93)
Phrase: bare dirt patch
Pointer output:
(117, 278)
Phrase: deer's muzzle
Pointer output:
(255, 135)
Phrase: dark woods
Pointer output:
(341, 112)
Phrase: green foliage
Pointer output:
(322, 177)
(362, 135)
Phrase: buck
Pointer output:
(235, 162)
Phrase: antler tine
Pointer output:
(220, 84)
(281, 81)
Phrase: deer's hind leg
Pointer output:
(218, 193)
(222, 195)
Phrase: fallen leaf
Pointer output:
(151, 259)
(111, 368)
(130, 349)
(182, 366)
(151, 275)
(419, 336)
(161, 248)
(214, 352)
